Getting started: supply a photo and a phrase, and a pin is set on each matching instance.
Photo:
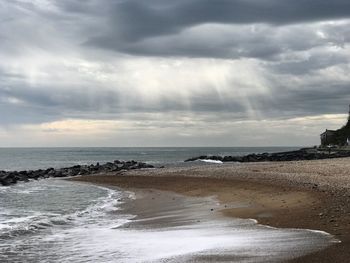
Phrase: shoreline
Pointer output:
(277, 197)
(156, 210)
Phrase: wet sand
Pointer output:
(306, 194)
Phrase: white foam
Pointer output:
(211, 161)
(203, 239)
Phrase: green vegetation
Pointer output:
(341, 135)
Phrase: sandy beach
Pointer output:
(304, 194)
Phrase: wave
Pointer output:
(211, 161)
(12, 224)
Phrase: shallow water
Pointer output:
(61, 221)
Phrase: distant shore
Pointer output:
(296, 155)
(303, 194)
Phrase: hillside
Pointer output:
(341, 135)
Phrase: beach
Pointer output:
(302, 194)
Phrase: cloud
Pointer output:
(311, 63)
(184, 71)
(230, 29)
(141, 19)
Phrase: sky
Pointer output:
(172, 72)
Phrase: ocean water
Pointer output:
(54, 220)
(39, 158)
(36, 218)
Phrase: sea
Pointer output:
(55, 220)
(40, 158)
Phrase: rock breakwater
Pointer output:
(12, 177)
(298, 155)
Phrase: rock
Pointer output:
(35, 174)
(83, 170)
(50, 172)
(202, 157)
(301, 154)
(21, 176)
(40, 173)
(144, 165)
(72, 171)
(8, 178)
(58, 173)
(228, 159)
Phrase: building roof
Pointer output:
(328, 131)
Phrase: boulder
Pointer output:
(58, 173)
(8, 179)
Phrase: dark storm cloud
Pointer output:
(136, 26)
(142, 19)
(315, 99)
(257, 41)
(20, 103)
(230, 45)
(261, 29)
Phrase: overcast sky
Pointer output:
(172, 72)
